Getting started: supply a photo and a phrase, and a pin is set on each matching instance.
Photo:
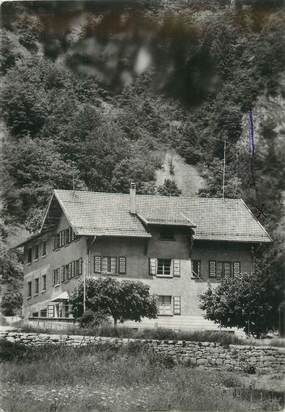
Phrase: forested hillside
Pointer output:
(93, 96)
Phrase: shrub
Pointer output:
(91, 319)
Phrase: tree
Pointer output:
(169, 188)
(11, 303)
(247, 301)
(122, 300)
(11, 279)
(29, 172)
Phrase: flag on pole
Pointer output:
(251, 133)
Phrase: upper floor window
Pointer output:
(196, 268)
(30, 255)
(44, 282)
(109, 264)
(29, 289)
(164, 267)
(167, 234)
(37, 286)
(44, 248)
(56, 277)
(64, 238)
(36, 252)
(219, 269)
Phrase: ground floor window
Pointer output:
(169, 305)
(43, 313)
(165, 305)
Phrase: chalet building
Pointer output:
(177, 245)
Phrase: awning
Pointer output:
(61, 297)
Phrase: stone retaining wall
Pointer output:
(259, 359)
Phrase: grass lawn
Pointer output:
(57, 378)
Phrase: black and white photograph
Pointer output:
(142, 205)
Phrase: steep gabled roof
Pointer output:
(95, 213)
(108, 214)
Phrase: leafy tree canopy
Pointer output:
(122, 300)
(247, 301)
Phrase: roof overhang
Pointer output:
(63, 296)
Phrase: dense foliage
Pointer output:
(249, 301)
(122, 300)
(11, 277)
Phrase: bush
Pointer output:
(91, 319)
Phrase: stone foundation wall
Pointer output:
(251, 359)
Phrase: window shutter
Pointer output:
(212, 268)
(152, 266)
(80, 266)
(176, 267)
(122, 265)
(97, 264)
(177, 305)
(236, 268)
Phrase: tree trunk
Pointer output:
(115, 323)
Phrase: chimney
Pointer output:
(133, 198)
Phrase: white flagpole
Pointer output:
(224, 168)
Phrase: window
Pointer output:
(37, 283)
(63, 278)
(97, 264)
(44, 282)
(30, 256)
(44, 249)
(223, 269)
(109, 264)
(196, 268)
(35, 314)
(29, 289)
(165, 305)
(36, 252)
(43, 313)
(122, 265)
(57, 241)
(212, 268)
(163, 267)
(56, 277)
(176, 305)
(236, 268)
(67, 273)
(167, 234)
(67, 236)
(80, 266)
(219, 269)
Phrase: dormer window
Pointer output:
(167, 234)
